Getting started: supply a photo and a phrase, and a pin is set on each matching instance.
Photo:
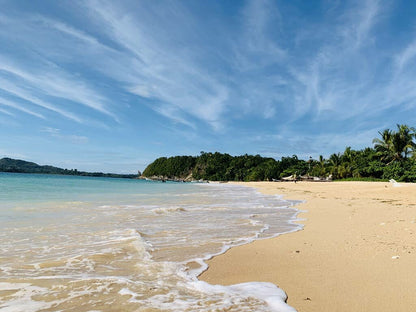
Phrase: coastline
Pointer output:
(356, 252)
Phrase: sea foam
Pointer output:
(125, 245)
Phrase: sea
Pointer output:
(70, 243)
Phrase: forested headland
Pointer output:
(392, 156)
(22, 166)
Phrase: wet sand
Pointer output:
(357, 251)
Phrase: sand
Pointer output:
(357, 251)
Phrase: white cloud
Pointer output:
(360, 22)
(44, 43)
(144, 90)
(161, 70)
(68, 30)
(305, 145)
(56, 133)
(404, 57)
(52, 81)
(260, 18)
(174, 114)
(6, 112)
(339, 76)
(19, 106)
(27, 97)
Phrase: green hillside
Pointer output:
(22, 166)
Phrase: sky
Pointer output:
(111, 85)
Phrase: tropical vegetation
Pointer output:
(393, 156)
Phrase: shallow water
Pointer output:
(99, 244)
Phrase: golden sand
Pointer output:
(357, 251)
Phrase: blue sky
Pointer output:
(112, 85)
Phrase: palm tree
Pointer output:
(384, 145)
(347, 162)
(403, 141)
(348, 155)
(334, 163)
(321, 166)
(395, 145)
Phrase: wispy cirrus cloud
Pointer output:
(24, 95)
(178, 84)
(161, 70)
(207, 74)
(359, 22)
(404, 57)
(337, 76)
(72, 138)
(6, 112)
(19, 107)
(43, 47)
(277, 145)
(259, 44)
(52, 82)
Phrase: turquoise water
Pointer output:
(102, 244)
(29, 188)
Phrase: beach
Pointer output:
(356, 252)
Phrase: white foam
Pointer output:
(270, 293)
(112, 248)
(21, 300)
(160, 210)
(128, 292)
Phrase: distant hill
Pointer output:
(22, 166)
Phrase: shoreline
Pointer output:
(356, 251)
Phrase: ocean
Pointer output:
(72, 243)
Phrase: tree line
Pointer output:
(393, 156)
(22, 166)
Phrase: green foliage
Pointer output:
(395, 145)
(389, 159)
(171, 167)
(404, 171)
(224, 167)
